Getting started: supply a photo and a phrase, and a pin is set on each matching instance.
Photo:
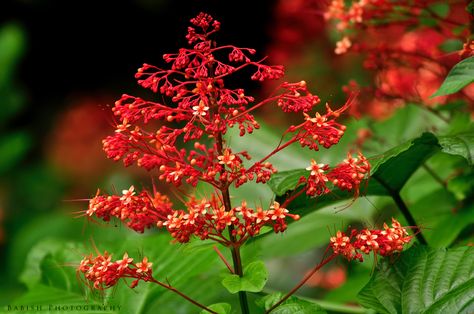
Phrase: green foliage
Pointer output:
(461, 144)
(221, 308)
(291, 306)
(50, 271)
(423, 280)
(440, 9)
(12, 45)
(390, 171)
(12, 148)
(459, 77)
(451, 45)
(254, 279)
(470, 8)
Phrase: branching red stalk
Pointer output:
(169, 287)
(302, 282)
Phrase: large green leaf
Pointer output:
(460, 76)
(55, 300)
(313, 228)
(293, 305)
(254, 279)
(423, 280)
(461, 144)
(390, 172)
(49, 268)
(220, 308)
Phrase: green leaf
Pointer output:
(423, 280)
(12, 44)
(451, 45)
(313, 228)
(459, 144)
(12, 149)
(51, 300)
(462, 186)
(254, 279)
(221, 308)
(441, 9)
(48, 268)
(449, 228)
(390, 172)
(33, 271)
(470, 8)
(459, 77)
(291, 306)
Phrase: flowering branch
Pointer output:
(383, 242)
(103, 273)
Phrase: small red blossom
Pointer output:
(316, 182)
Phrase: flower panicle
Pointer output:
(208, 219)
(347, 176)
(383, 242)
(138, 211)
(104, 273)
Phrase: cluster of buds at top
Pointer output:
(205, 107)
(104, 273)
(383, 242)
(347, 175)
(209, 220)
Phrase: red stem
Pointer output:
(223, 259)
(302, 282)
(183, 295)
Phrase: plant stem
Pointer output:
(183, 295)
(435, 175)
(302, 282)
(235, 246)
(403, 208)
(328, 305)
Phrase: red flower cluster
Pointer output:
(347, 175)
(382, 242)
(209, 219)
(205, 107)
(139, 212)
(103, 273)
(406, 57)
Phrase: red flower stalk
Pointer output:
(384, 242)
(201, 108)
(205, 107)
